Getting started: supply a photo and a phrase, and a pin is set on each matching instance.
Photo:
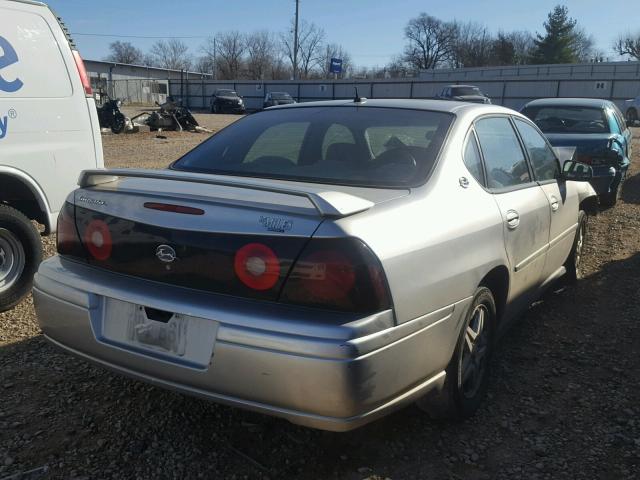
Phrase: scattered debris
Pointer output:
(171, 116)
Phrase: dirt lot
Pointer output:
(563, 401)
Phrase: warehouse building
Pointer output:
(135, 84)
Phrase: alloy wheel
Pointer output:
(473, 361)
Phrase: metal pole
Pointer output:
(215, 59)
(295, 42)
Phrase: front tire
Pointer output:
(574, 262)
(119, 123)
(466, 382)
(20, 255)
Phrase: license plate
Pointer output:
(185, 339)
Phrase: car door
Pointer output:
(522, 203)
(563, 196)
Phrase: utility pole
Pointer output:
(215, 59)
(295, 43)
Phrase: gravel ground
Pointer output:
(563, 401)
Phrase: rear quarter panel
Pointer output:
(436, 244)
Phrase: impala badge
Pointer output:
(166, 254)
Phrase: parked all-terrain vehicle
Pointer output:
(49, 132)
(110, 115)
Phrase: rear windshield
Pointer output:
(562, 119)
(366, 146)
(460, 91)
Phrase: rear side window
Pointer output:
(31, 60)
(543, 160)
(365, 146)
(473, 160)
(504, 159)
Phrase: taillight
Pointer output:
(68, 240)
(337, 274)
(257, 266)
(585, 159)
(84, 78)
(97, 240)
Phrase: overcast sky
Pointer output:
(371, 30)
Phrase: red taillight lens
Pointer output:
(97, 240)
(84, 78)
(68, 241)
(338, 274)
(585, 159)
(257, 266)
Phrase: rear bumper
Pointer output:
(606, 178)
(330, 374)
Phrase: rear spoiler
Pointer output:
(328, 204)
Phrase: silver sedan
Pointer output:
(323, 262)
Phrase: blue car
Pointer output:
(599, 132)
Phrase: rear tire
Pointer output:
(574, 262)
(610, 199)
(466, 383)
(119, 123)
(632, 115)
(20, 256)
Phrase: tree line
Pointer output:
(429, 43)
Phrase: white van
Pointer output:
(49, 132)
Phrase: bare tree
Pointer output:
(230, 50)
(628, 44)
(124, 52)
(203, 64)
(472, 45)
(431, 42)
(523, 45)
(333, 50)
(583, 44)
(310, 40)
(260, 54)
(173, 54)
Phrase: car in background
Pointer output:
(463, 93)
(632, 110)
(599, 132)
(49, 133)
(227, 101)
(272, 99)
(311, 261)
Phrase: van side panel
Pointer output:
(48, 127)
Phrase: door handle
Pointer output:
(513, 219)
(554, 203)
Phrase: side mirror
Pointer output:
(576, 171)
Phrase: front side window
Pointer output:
(367, 146)
(505, 163)
(543, 160)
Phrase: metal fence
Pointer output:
(512, 93)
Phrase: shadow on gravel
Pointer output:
(563, 377)
(631, 189)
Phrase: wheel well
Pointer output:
(18, 195)
(497, 280)
(590, 205)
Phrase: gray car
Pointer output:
(324, 262)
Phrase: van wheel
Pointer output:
(20, 255)
(465, 385)
(574, 262)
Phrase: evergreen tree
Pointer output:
(559, 44)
